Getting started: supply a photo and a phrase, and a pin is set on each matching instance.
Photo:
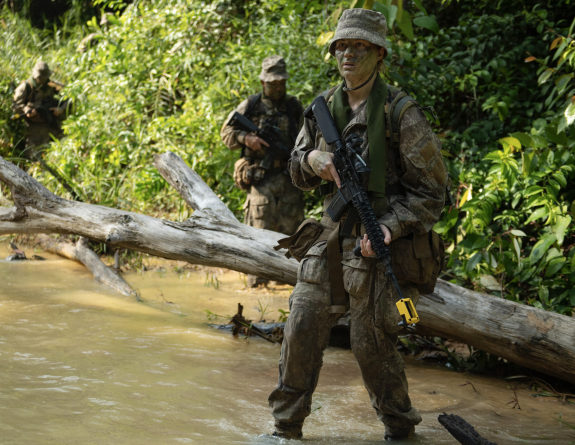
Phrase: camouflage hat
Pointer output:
(41, 69)
(273, 68)
(361, 24)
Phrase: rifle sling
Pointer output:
(338, 294)
(349, 224)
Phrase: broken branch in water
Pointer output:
(469, 383)
(242, 324)
(515, 401)
(462, 431)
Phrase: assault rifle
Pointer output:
(43, 111)
(353, 197)
(270, 133)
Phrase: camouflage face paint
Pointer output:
(356, 59)
(275, 90)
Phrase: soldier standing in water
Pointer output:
(406, 184)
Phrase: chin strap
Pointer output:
(346, 89)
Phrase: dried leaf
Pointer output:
(530, 59)
(555, 42)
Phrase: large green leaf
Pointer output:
(559, 139)
(527, 163)
(420, 6)
(570, 113)
(524, 138)
(406, 26)
(541, 247)
(539, 213)
(427, 22)
(502, 110)
(555, 266)
(474, 261)
(390, 12)
(560, 227)
(563, 81)
(545, 75)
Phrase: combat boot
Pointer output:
(395, 433)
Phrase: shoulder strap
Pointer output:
(401, 106)
(328, 93)
(29, 91)
(252, 101)
(294, 111)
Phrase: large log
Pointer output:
(543, 341)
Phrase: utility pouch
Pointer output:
(418, 260)
(302, 240)
(247, 173)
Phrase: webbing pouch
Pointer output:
(302, 240)
(418, 259)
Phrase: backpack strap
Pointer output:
(252, 101)
(328, 93)
(29, 91)
(399, 108)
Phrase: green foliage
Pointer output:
(506, 137)
(164, 76)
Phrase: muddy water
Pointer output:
(78, 364)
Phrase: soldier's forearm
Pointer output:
(305, 165)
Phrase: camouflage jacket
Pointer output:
(265, 108)
(28, 96)
(420, 170)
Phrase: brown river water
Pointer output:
(82, 365)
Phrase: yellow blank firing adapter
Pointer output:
(407, 311)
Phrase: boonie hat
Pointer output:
(41, 69)
(273, 68)
(361, 24)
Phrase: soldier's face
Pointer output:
(41, 79)
(274, 90)
(357, 58)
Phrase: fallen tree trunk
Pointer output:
(81, 252)
(213, 237)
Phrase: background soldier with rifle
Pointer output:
(35, 101)
(400, 171)
(273, 202)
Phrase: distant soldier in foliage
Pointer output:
(35, 100)
(273, 202)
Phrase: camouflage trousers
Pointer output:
(373, 326)
(275, 204)
(38, 136)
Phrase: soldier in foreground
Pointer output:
(273, 202)
(35, 100)
(406, 184)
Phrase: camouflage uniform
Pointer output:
(31, 95)
(274, 203)
(421, 173)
